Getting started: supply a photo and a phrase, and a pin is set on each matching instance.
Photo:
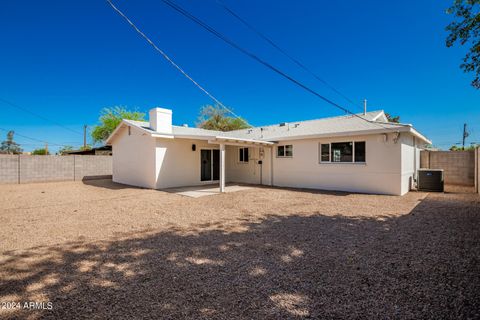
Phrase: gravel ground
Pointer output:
(101, 250)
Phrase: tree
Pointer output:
(457, 148)
(391, 118)
(466, 30)
(110, 118)
(9, 146)
(215, 118)
(40, 152)
(65, 150)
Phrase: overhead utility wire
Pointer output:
(286, 54)
(261, 61)
(34, 139)
(168, 58)
(39, 116)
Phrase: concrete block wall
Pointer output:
(477, 170)
(458, 166)
(8, 168)
(26, 169)
(45, 168)
(90, 166)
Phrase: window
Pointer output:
(289, 150)
(360, 151)
(343, 152)
(285, 151)
(325, 152)
(243, 154)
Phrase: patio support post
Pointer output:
(222, 167)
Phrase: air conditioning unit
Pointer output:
(430, 180)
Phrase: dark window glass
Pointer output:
(341, 152)
(289, 150)
(206, 169)
(325, 152)
(216, 164)
(360, 151)
(243, 154)
(285, 151)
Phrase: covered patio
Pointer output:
(262, 146)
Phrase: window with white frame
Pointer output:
(343, 152)
(243, 155)
(325, 152)
(285, 151)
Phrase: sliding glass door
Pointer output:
(210, 164)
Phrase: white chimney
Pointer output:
(161, 120)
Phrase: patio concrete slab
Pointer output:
(207, 190)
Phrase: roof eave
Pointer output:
(339, 134)
(419, 135)
(406, 128)
(236, 140)
(128, 123)
(108, 142)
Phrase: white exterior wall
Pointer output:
(251, 172)
(134, 158)
(380, 174)
(176, 164)
(158, 163)
(410, 160)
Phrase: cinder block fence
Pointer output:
(459, 166)
(477, 181)
(25, 168)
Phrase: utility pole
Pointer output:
(364, 107)
(84, 136)
(465, 135)
(46, 148)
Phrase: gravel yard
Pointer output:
(99, 250)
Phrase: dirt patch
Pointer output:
(104, 250)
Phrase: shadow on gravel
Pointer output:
(107, 184)
(421, 265)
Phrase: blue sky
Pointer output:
(68, 60)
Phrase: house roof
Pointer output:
(372, 122)
(187, 133)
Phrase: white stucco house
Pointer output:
(344, 153)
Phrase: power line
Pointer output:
(256, 58)
(34, 139)
(284, 52)
(168, 58)
(37, 115)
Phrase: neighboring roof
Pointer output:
(91, 151)
(372, 122)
